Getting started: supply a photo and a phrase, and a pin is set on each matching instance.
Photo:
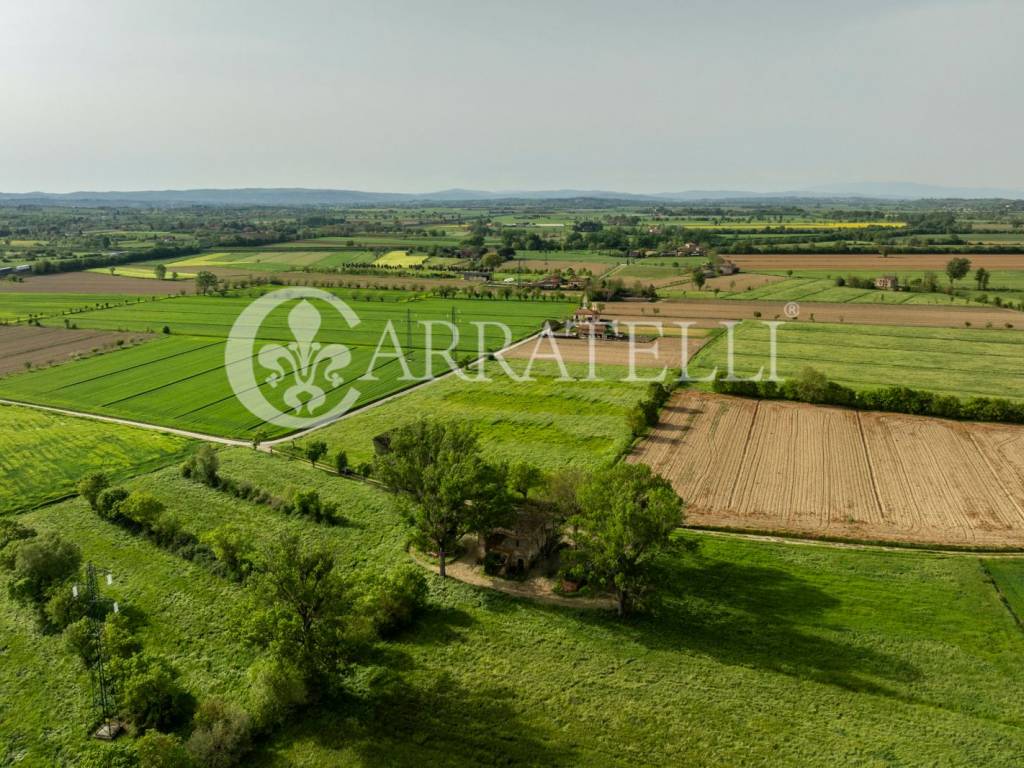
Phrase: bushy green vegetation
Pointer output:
(45, 454)
(914, 652)
(963, 362)
(812, 386)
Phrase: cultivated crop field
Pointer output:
(283, 260)
(962, 362)
(400, 259)
(143, 273)
(841, 264)
(776, 466)
(45, 454)
(22, 306)
(708, 311)
(665, 353)
(179, 379)
(810, 289)
(28, 346)
(93, 285)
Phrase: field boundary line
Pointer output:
(248, 443)
(812, 540)
(362, 409)
(746, 448)
(871, 465)
(129, 423)
(999, 593)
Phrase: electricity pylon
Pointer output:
(103, 689)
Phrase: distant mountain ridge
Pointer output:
(299, 196)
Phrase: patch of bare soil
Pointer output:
(938, 316)
(665, 352)
(837, 473)
(27, 346)
(95, 282)
(534, 587)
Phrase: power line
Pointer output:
(104, 694)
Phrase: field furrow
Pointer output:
(789, 467)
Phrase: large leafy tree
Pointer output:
(439, 470)
(205, 282)
(626, 516)
(523, 477)
(957, 268)
(300, 608)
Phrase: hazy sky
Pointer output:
(402, 96)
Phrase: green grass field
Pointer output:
(179, 379)
(551, 423)
(961, 362)
(45, 454)
(762, 653)
(21, 306)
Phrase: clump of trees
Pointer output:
(446, 488)
(44, 568)
(618, 520)
(957, 269)
(624, 519)
(41, 568)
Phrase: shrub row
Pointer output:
(204, 467)
(812, 386)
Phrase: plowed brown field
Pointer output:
(95, 282)
(937, 316)
(790, 467)
(668, 352)
(38, 347)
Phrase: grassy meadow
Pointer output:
(22, 306)
(551, 423)
(963, 362)
(45, 454)
(761, 653)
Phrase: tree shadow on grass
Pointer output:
(439, 625)
(437, 723)
(759, 617)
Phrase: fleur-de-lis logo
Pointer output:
(303, 358)
(308, 371)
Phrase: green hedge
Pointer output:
(813, 387)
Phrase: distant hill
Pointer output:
(295, 196)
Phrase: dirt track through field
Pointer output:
(820, 471)
(936, 316)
